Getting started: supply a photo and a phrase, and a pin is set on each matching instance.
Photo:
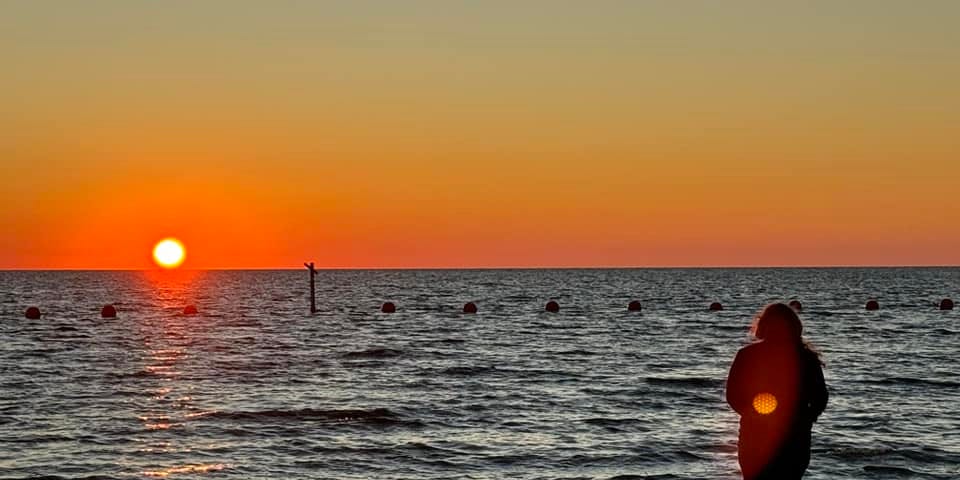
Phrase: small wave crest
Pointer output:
(666, 476)
(911, 455)
(618, 425)
(577, 352)
(693, 382)
(374, 353)
(890, 471)
(914, 381)
(611, 421)
(468, 371)
(374, 416)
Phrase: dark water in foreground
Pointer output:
(253, 387)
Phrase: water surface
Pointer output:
(255, 387)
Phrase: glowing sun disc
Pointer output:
(169, 253)
(764, 403)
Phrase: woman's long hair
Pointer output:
(779, 323)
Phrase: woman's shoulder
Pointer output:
(811, 356)
(767, 349)
(755, 349)
(758, 346)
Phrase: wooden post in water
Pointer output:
(313, 291)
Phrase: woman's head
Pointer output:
(779, 323)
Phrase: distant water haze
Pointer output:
(254, 386)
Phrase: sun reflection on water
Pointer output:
(168, 354)
(203, 468)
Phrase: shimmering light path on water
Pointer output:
(253, 386)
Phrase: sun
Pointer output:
(169, 253)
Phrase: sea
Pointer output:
(255, 386)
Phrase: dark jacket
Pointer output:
(776, 444)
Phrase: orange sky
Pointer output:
(264, 134)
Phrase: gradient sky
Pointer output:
(462, 134)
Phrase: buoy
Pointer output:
(33, 313)
(634, 306)
(388, 307)
(946, 304)
(873, 305)
(470, 307)
(190, 310)
(552, 307)
(108, 311)
(796, 306)
(716, 307)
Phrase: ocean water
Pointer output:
(256, 387)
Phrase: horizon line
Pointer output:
(597, 267)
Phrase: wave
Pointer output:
(468, 371)
(374, 353)
(695, 382)
(611, 421)
(913, 381)
(444, 341)
(730, 328)
(666, 476)
(374, 416)
(558, 326)
(150, 371)
(890, 470)
(919, 456)
(40, 439)
(617, 425)
(58, 477)
(577, 351)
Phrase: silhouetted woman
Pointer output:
(776, 385)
